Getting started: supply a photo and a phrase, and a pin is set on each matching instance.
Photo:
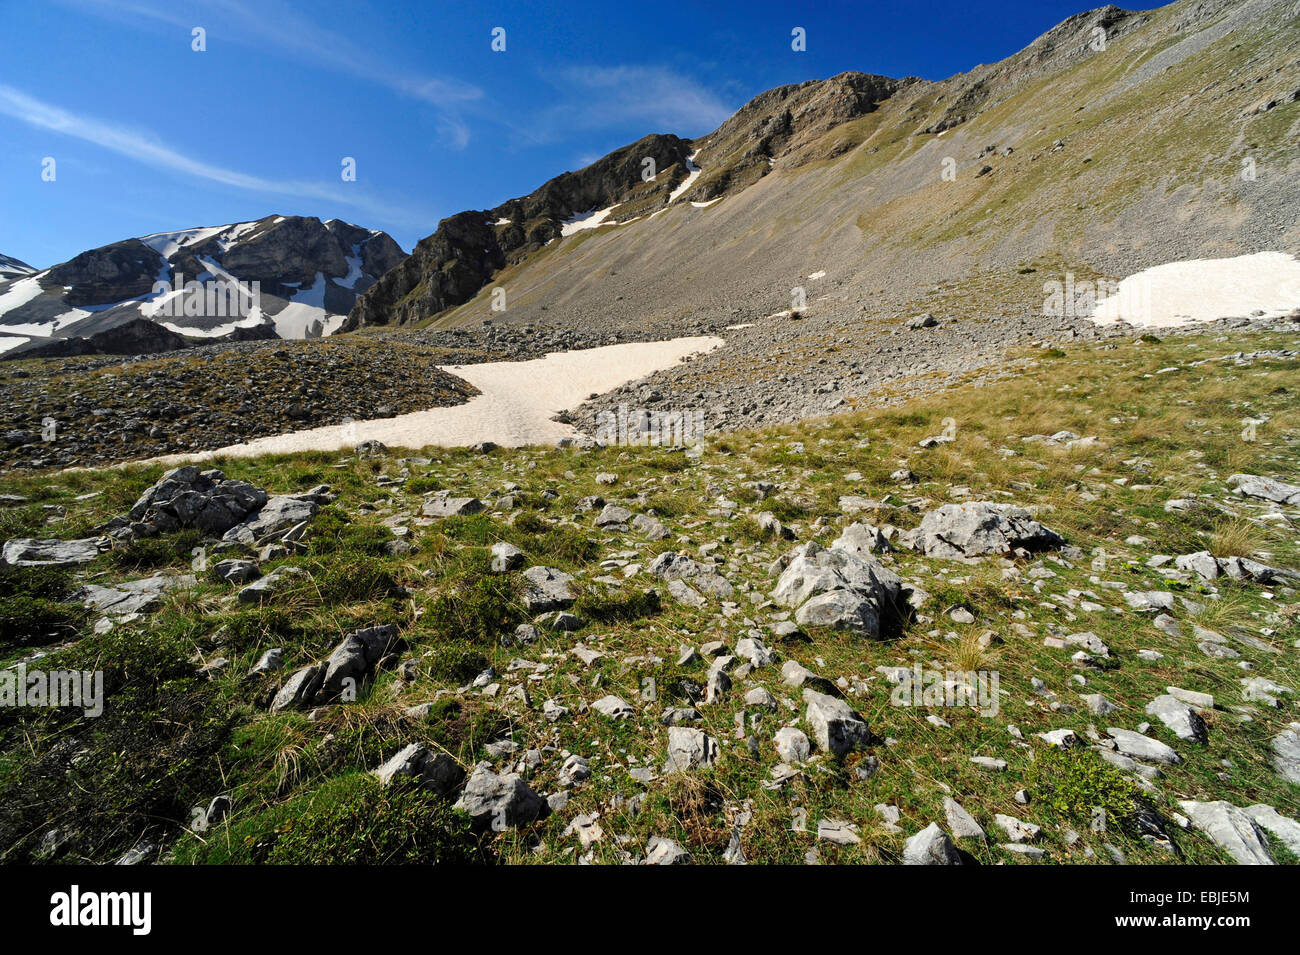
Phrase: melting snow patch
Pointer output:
(693, 172)
(587, 220)
(818, 275)
(705, 205)
(167, 244)
(10, 342)
(20, 293)
(354, 269)
(1204, 290)
(515, 405)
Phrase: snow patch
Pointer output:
(19, 293)
(168, 244)
(587, 220)
(817, 275)
(692, 173)
(515, 406)
(1203, 290)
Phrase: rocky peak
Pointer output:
(11, 268)
(450, 266)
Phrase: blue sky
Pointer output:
(149, 135)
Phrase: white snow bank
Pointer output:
(167, 244)
(515, 407)
(19, 293)
(1203, 290)
(692, 173)
(587, 220)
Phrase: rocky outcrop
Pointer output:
(191, 497)
(30, 552)
(342, 674)
(136, 337)
(450, 266)
(981, 529)
(834, 587)
(321, 267)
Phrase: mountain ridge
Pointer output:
(1076, 176)
(305, 272)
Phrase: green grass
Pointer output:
(170, 741)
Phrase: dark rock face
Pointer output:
(138, 337)
(450, 266)
(112, 273)
(190, 497)
(293, 260)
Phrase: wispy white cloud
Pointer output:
(273, 24)
(150, 150)
(655, 98)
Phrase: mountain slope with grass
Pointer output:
(1117, 141)
(552, 655)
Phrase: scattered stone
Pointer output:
(1286, 755)
(930, 846)
(835, 588)
(689, 749)
(961, 822)
(982, 528)
(451, 506)
(1285, 829)
(500, 801)
(614, 708)
(547, 588)
(792, 745)
(575, 770)
(28, 552)
(1267, 489)
(260, 591)
(506, 557)
(1231, 829)
(1017, 830)
(1184, 721)
(838, 831)
(437, 772)
(660, 851)
(1143, 748)
(835, 726)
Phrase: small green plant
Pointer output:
(1077, 784)
(478, 609)
(150, 553)
(422, 485)
(32, 607)
(618, 608)
(456, 662)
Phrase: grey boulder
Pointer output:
(982, 528)
(437, 772)
(500, 801)
(835, 726)
(30, 552)
(1231, 829)
(930, 846)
